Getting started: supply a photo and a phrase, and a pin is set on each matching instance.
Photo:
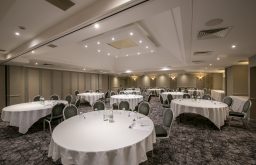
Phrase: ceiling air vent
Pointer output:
(52, 46)
(62, 4)
(197, 61)
(202, 53)
(213, 33)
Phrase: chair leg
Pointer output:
(44, 125)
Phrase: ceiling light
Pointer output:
(33, 52)
(140, 41)
(84, 69)
(138, 53)
(127, 55)
(17, 33)
(36, 63)
(96, 26)
(108, 54)
(218, 58)
(147, 47)
(8, 56)
(98, 50)
(131, 33)
(165, 68)
(86, 46)
(210, 64)
(113, 38)
(98, 42)
(128, 71)
(116, 56)
(151, 51)
(233, 46)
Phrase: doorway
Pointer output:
(253, 92)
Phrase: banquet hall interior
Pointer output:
(128, 82)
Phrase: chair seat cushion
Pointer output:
(160, 131)
(237, 114)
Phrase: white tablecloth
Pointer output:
(92, 141)
(154, 89)
(199, 91)
(91, 97)
(215, 111)
(218, 95)
(26, 114)
(175, 95)
(132, 99)
(131, 91)
(238, 103)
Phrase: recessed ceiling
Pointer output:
(164, 34)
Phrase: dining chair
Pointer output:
(77, 104)
(112, 93)
(165, 103)
(244, 115)
(163, 131)
(115, 106)
(124, 105)
(37, 98)
(56, 115)
(144, 108)
(69, 111)
(54, 97)
(76, 92)
(68, 98)
(98, 105)
(228, 100)
(149, 98)
(169, 98)
(206, 97)
(186, 96)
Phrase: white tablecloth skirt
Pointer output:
(216, 115)
(132, 101)
(90, 97)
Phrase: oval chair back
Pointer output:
(57, 111)
(144, 108)
(228, 100)
(98, 105)
(161, 99)
(69, 111)
(54, 97)
(206, 97)
(115, 106)
(124, 105)
(247, 106)
(76, 92)
(186, 96)
(194, 94)
(149, 98)
(112, 93)
(68, 99)
(37, 98)
(169, 98)
(77, 104)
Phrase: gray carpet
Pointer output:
(193, 140)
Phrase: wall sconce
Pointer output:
(134, 77)
(153, 77)
(172, 76)
(200, 76)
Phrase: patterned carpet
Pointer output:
(193, 140)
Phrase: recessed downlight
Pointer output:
(84, 68)
(131, 33)
(233, 46)
(86, 46)
(108, 54)
(138, 53)
(152, 51)
(17, 33)
(147, 47)
(128, 71)
(140, 41)
(218, 58)
(210, 64)
(96, 26)
(113, 39)
(127, 55)
(98, 42)
(36, 63)
(98, 50)
(33, 52)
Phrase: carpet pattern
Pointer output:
(193, 140)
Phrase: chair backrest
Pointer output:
(228, 100)
(77, 104)
(107, 94)
(57, 110)
(185, 91)
(69, 111)
(68, 99)
(161, 99)
(194, 93)
(169, 98)
(97, 91)
(76, 92)
(115, 106)
(134, 93)
(186, 96)
(144, 108)
(247, 106)
(54, 97)
(112, 93)
(206, 97)
(124, 104)
(37, 98)
(98, 105)
(121, 92)
(149, 97)
(168, 117)
(179, 89)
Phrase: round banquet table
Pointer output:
(132, 99)
(154, 89)
(132, 91)
(215, 111)
(88, 139)
(24, 115)
(199, 91)
(175, 95)
(90, 97)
